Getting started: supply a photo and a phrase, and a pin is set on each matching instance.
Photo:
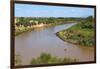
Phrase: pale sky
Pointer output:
(26, 10)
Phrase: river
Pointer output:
(44, 40)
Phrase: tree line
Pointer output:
(28, 21)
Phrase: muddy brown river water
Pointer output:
(44, 40)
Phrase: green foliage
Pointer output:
(82, 33)
(24, 24)
(45, 58)
(25, 21)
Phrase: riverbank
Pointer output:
(21, 29)
(46, 58)
(80, 34)
(45, 40)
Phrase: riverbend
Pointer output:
(44, 40)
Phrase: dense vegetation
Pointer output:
(23, 24)
(82, 33)
(45, 58)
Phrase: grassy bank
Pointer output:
(81, 34)
(45, 58)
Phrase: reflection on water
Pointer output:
(43, 40)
